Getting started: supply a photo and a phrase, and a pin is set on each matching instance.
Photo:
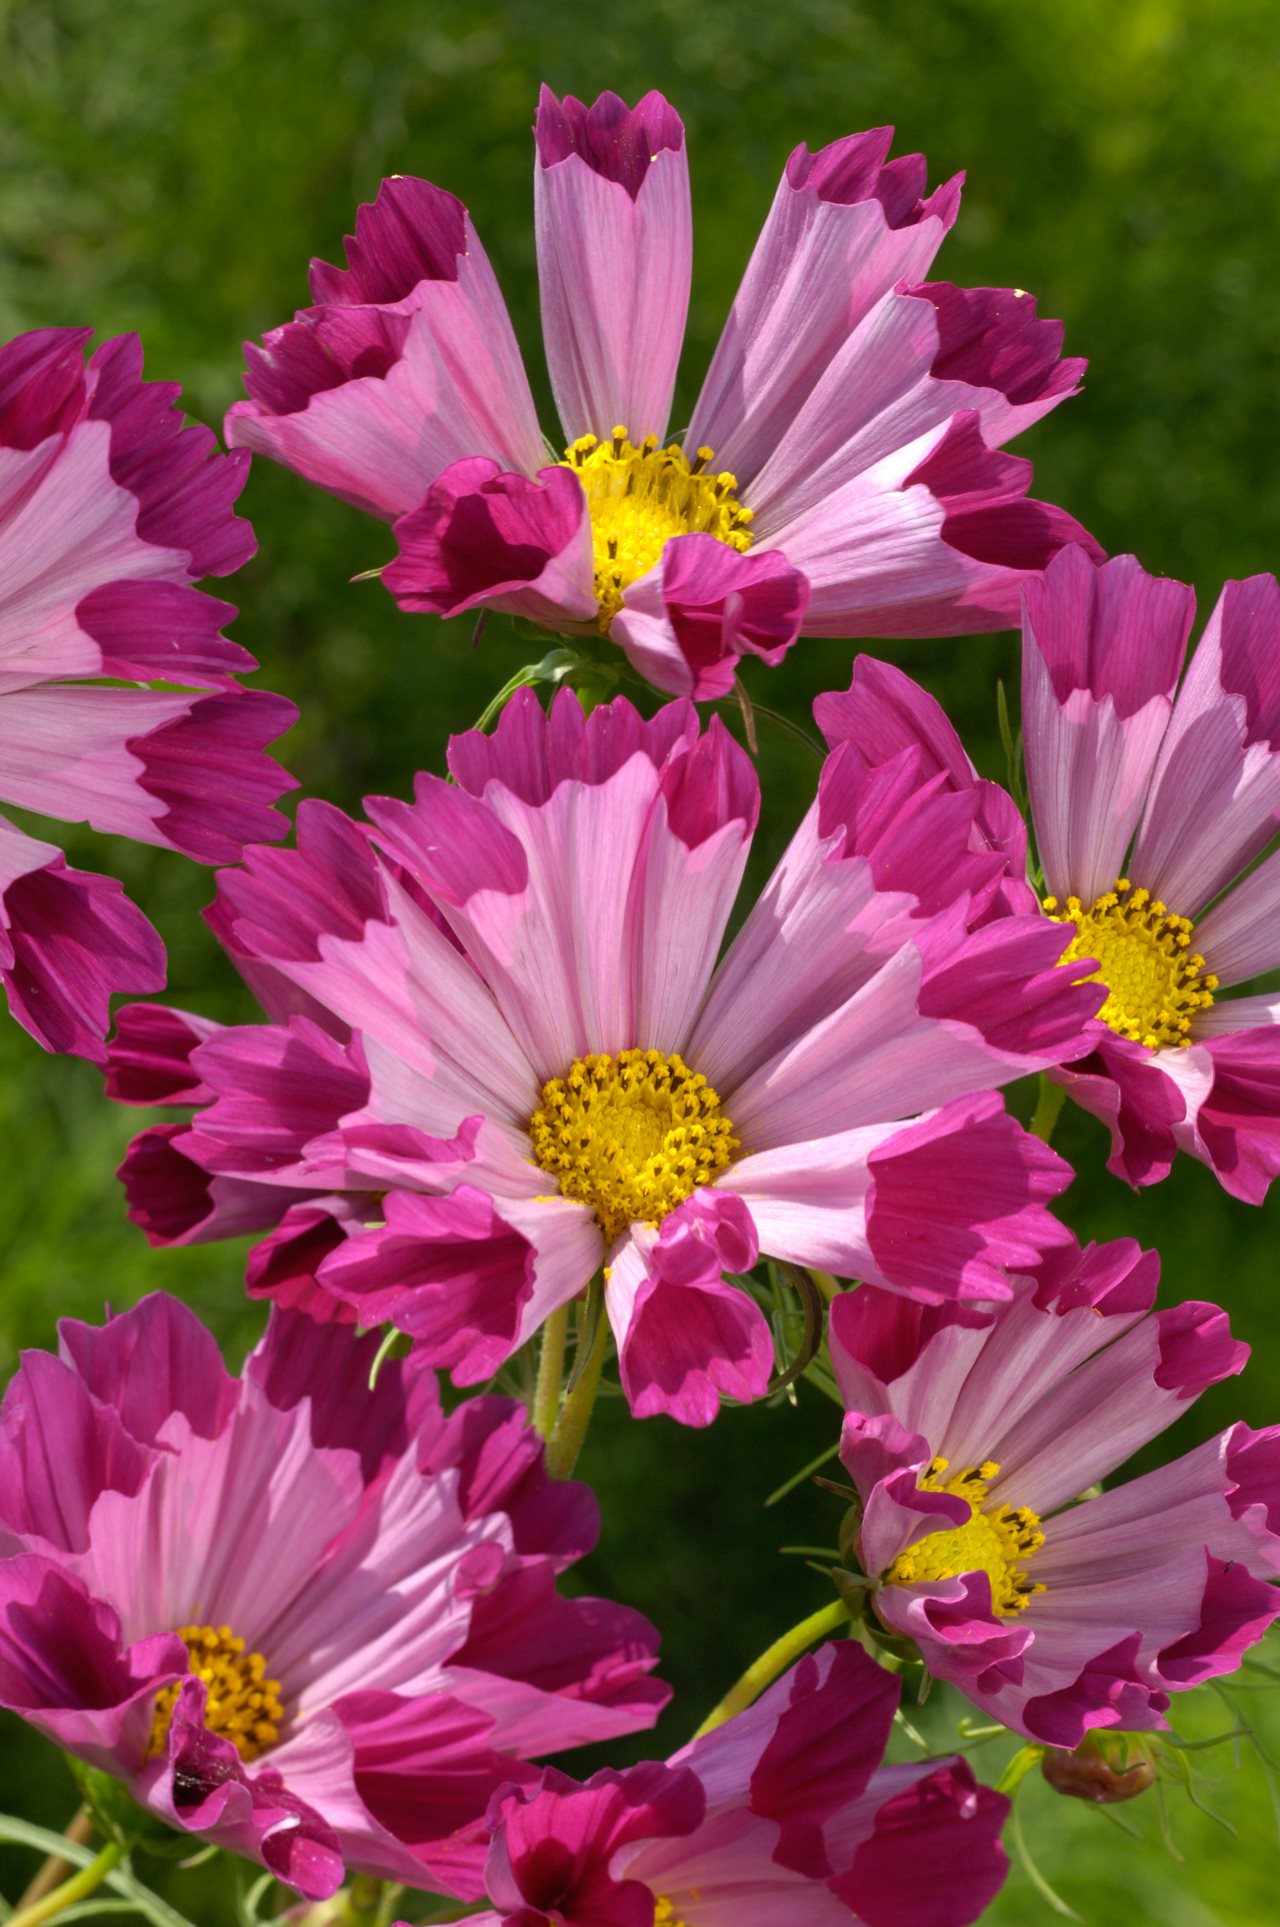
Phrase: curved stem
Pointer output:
(570, 1428)
(829, 1287)
(775, 1660)
(1049, 1103)
(87, 1881)
(79, 1830)
(1018, 1767)
(546, 1393)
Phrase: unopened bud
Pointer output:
(1105, 1768)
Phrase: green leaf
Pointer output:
(95, 1907)
(594, 680)
(144, 1902)
(805, 1472)
(114, 1813)
(22, 1833)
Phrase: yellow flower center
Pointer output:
(639, 497)
(1153, 977)
(244, 1706)
(999, 1542)
(632, 1136)
(665, 1915)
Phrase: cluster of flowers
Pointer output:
(508, 1066)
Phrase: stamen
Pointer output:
(243, 1705)
(632, 1136)
(638, 497)
(1154, 983)
(998, 1542)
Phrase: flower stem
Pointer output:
(1049, 1103)
(87, 1881)
(565, 1442)
(1018, 1768)
(364, 1900)
(763, 1671)
(546, 1394)
(79, 1830)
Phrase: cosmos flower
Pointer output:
(110, 510)
(839, 475)
(504, 1057)
(781, 1815)
(970, 1435)
(1151, 806)
(311, 1622)
(1151, 809)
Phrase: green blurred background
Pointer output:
(170, 165)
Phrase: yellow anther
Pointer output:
(999, 1541)
(1154, 980)
(243, 1705)
(638, 497)
(631, 1136)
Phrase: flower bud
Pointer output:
(1105, 1768)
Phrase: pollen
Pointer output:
(638, 497)
(665, 1915)
(243, 1705)
(631, 1136)
(1156, 983)
(999, 1540)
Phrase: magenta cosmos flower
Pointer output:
(504, 1056)
(838, 476)
(970, 1435)
(1150, 809)
(314, 1624)
(783, 1815)
(110, 509)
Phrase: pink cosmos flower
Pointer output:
(783, 1815)
(970, 1433)
(503, 1055)
(110, 509)
(314, 1624)
(838, 476)
(1150, 809)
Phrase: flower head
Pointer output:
(110, 510)
(1151, 804)
(783, 1814)
(838, 476)
(504, 1055)
(314, 1624)
(971, 1433)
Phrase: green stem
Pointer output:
(1049, 1103)
(763, 1671)
(57, 1867)
(1018, 1768)
(827, 1285)
(546, 1393)
(565, 1442)
(363, 1902)
(79, 1887)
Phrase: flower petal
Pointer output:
(846, 226)
(686, 624)
(615, 253)
(501, 540)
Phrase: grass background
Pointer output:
(170, 165)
